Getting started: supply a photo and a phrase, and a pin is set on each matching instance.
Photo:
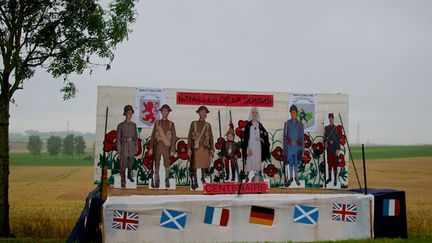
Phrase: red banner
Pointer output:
(233, 187)
(218, 99)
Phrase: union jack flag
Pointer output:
(123, 220)
(344, 212)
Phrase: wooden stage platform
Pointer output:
(184, 190)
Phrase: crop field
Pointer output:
(47, 194)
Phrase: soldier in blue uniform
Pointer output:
(293, 139)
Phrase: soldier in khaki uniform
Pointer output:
(127, 137)
(201, 147)
(162, 144)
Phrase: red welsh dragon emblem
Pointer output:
(149, 110)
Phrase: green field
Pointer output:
(390, 152)
(44, 159)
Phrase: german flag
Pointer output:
(261, 215)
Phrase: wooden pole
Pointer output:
(104, 173)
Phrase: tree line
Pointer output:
(69, 145)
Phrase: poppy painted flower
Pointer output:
(139, 147)
(241, 128)
(270, 170)
(182, 149)
(218, 164)
(339, 130)
(342, 140)
(307, 141)
(318, 148)
(306, 157)
(341, 160)
(110, 144)
(219, 142)
(148, 160)
(278, 153)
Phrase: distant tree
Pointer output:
(68, 145)
(54, 144)
(34, 145)
(80, 145)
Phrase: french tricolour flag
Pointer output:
(391, 207)
(216, 216)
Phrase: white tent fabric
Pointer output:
(149, 210)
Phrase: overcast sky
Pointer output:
(378, 52)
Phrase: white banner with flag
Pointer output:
(147, 104)
(233, 218)
(306, 104)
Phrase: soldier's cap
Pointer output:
(230, 131)
(165, 106)
(331, 115)
(128, 108)
(293, 108)
(202, 108)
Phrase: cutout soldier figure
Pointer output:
(228, 152)
(162, 145)
(331, 142)
(293, 145)
(127, 137)
(201, 147)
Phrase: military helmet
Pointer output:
(165, 106)
(128, 108)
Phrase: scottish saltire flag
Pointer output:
(305, 214)
(173, 219)
(216, 216)
(344, 212)
(125, 220)
(391, 207)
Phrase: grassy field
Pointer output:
(47, 194)
(44, 159)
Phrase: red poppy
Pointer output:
(306, 157)
(341, 160)
(110, 144)
(139, 147)
(148, 145)
(241, 128)
(182, 149)
(270, 170)
(219, 142)
(278, 153)
(339, 130)
(173, 159)
(318, 148)
(307, 141)
(218, 164)
(342, 140)
(148, 160)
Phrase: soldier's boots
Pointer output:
(335, 182)
(233, 176)
(167, 184)
(123, 179)
(131, 176)
(328, 180)
(297, 181)
(194, 182)
(288, 183)
(227, 175)
(203, 180)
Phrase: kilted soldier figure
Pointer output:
(127, 137)
(162, 145)
(331, 142)
(228, 152)
(293, 145)
(201, 147)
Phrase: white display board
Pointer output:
(273, 115)
(290, 217)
